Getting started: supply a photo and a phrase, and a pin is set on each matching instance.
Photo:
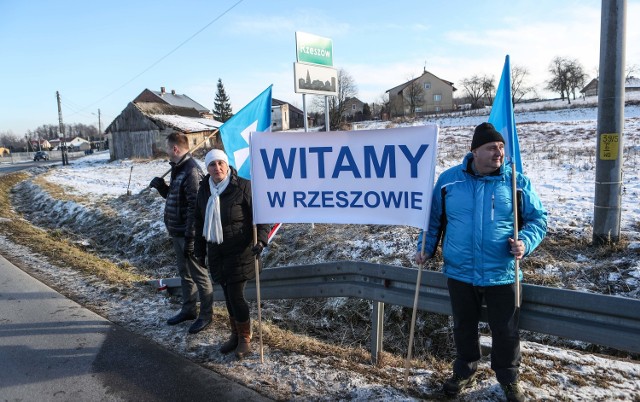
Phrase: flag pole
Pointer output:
(257, 268)
(407, 362)
(515, 230)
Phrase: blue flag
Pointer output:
(256, 116)
(502, 117)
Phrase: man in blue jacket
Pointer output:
(472, 213)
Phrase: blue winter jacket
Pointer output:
(478, 221)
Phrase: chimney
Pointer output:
(162, 91)
(173, 92)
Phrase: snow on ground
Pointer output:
(558, 155)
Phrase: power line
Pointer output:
(75, 109)
(164, 57)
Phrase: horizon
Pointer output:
(99, 57)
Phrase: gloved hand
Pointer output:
(200, 260)
(189, 246)
(257, 249)
(157, 183)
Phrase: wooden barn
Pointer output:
(141, 129)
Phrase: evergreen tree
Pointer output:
(366, 112)
(222, 106)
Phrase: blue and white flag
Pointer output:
(502, 117)
(256, 116)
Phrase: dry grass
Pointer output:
(51, 243)
(356, 359)
(56, 191)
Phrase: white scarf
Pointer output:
(212, 230)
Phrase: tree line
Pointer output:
(567, 76)
(48, 132)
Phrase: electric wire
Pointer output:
(165, 56)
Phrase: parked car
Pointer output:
(41, 155)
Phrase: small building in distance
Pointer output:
(425, 94)
(285, 116)
(141, 129)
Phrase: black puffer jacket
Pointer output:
(232, 260)
(179, 210)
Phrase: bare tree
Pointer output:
(577, 77)
(347, 88)
(414, 95)
(489, 87)
(519, 87)
(50, 131)
(474, 87)
(631, 70)
(381, 106)
(559, 82)
(11, 141)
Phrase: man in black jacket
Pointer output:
(179, 213)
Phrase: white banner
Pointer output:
(366, 177)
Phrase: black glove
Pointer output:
(189, 246)
(257, 249)
(157, 183)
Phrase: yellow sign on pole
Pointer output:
(609, 146)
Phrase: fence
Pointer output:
(18, 157)
(610, 321)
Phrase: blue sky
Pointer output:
(101, 55)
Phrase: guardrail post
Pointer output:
(377, 323)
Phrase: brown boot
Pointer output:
(232, 343)
(244, 339)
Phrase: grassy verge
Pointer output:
(51, 244)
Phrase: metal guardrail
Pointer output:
(610, 321)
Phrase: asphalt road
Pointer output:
(53, 349)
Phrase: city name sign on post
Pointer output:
(313, 79)
(314, 49)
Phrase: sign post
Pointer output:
(313, 70)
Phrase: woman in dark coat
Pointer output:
(224, 229)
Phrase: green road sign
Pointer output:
(314, 49)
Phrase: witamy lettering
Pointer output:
(373, 164)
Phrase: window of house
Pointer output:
(437, 98)
(195, 142)
(438, 109)
(353, 107)
(418, 110)
(427, 85)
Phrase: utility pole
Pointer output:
(63, 144)
(608, 189)
(99, 130)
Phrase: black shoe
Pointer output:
(199, 324)
(454, 384)
(181, 317)
(513, 392)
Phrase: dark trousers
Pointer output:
(466, 301)
(237, 305)
(195, 282)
